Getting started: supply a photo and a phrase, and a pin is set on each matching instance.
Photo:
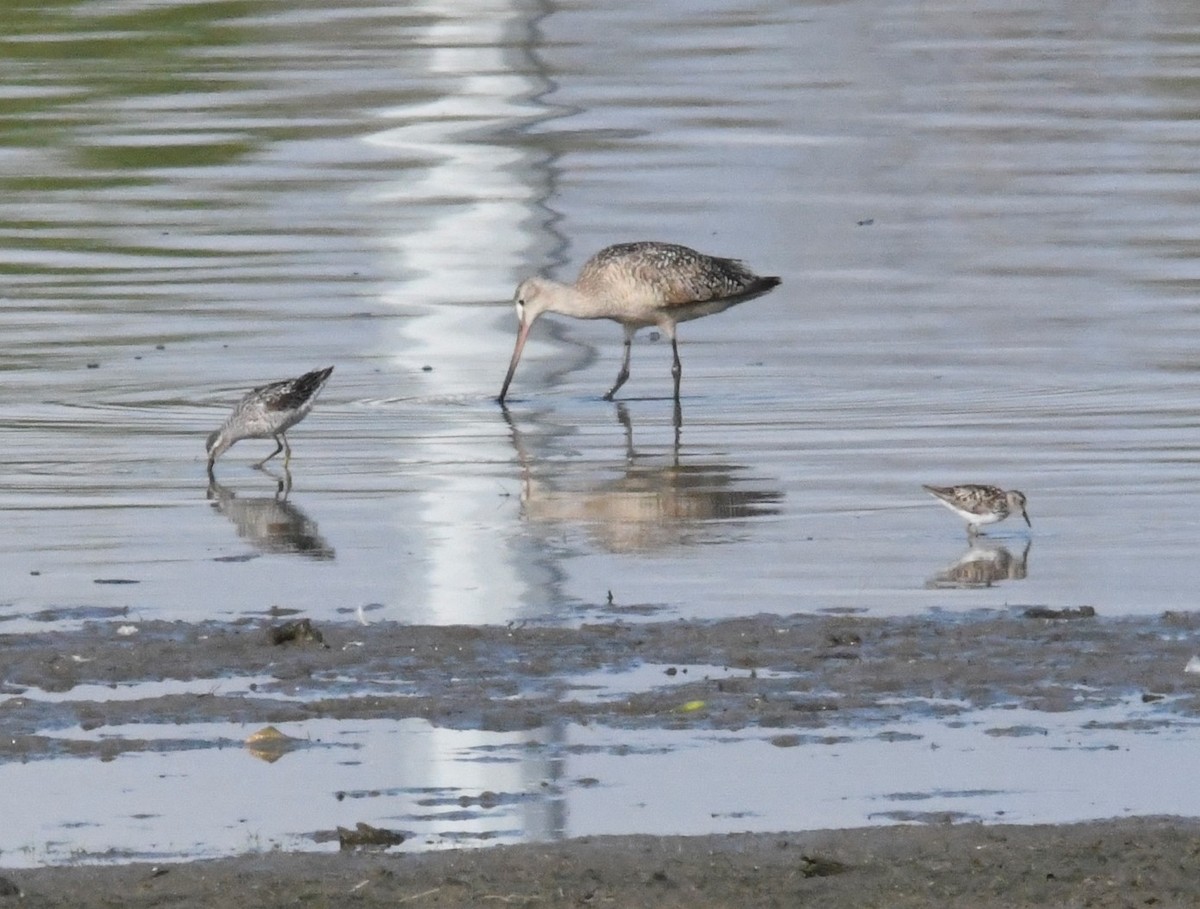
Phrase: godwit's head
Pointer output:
(1016, 502)
(533, 297)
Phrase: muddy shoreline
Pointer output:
(794, 675)
(793, 672)
(1130, 862)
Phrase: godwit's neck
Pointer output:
(567, 299)
(564, 299)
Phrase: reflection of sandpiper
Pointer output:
(268, 412)
(978, 505)
(271, 524)
(639, 285)
(982, 566)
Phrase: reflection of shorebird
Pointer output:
(272, 524)
(649, 507)
(639, 285)
(978, 505)
(983, 566)
(268, 412)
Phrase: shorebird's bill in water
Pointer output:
(639, 285)
(268, 412)
(977, 504)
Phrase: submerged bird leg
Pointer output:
(278, 449)
(624, 373)
(676, 367)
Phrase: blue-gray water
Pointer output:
(983, 213)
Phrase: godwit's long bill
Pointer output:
(268, 412)
(639, 285)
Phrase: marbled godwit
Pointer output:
(267, 413)
(639, 285)
(978, 505)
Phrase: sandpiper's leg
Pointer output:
(624, 373)
(676, 367)
(278, 449)
(287, 450)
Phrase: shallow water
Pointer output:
(198, 792)
(209, 197)
(983, 214)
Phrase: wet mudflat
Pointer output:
(798, 685)
(798, 672)
(799, 675)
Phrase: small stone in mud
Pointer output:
(269, 744)
(815, 866)
(288, 632)
(93, 366)
(366, 836)
(1071, 612)
(1149, 698)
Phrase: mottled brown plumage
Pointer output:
(639, 285)
(978, 504)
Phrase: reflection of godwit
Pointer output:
(268, 412)
(639, 285)
(978, 504)
(982, 566)
(651, 506)
(272, 524)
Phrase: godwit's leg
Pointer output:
(624, 373)
(287, 451)
(676, 367)
(278, 449)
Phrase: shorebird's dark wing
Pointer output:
(292, 394)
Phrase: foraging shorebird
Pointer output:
(639, 285)
(978, 505)
(268, 412)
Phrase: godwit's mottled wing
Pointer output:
(677, 275)
(972, 498)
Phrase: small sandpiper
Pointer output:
(268, 412)
(979, 505)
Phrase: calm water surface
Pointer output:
(983, 213)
